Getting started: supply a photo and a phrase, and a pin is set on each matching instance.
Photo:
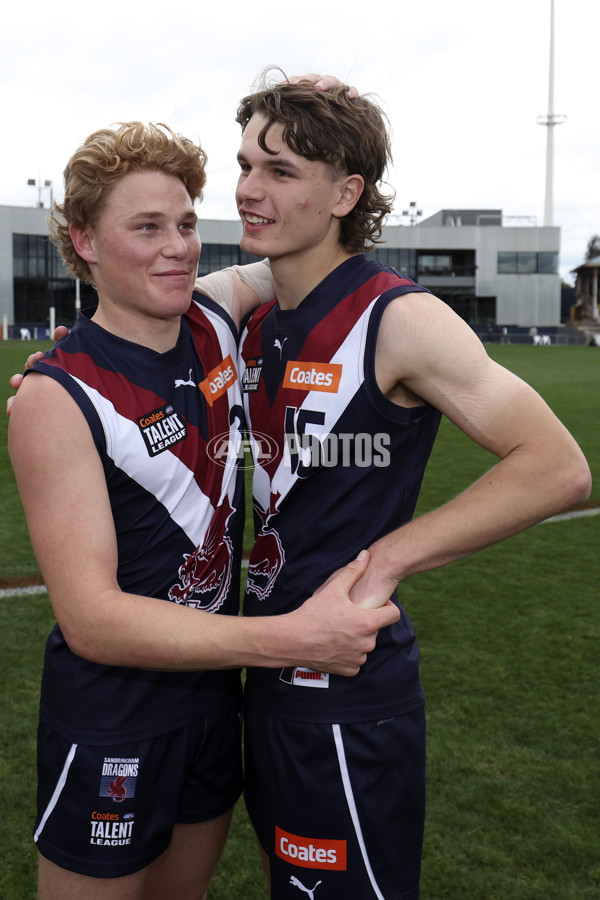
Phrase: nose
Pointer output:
(250, 186)
(175, 244)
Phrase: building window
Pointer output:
(41, 281)
(527, 263)
(447, 264)
(548, 263)
(401, 259)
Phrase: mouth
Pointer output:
(252, 219)
(173, 273)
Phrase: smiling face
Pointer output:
(143, 252)
(289, 206)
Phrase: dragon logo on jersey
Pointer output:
(267, 558)
(205, 575)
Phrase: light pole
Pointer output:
(413, 213)
(32, 182)
(550, 120)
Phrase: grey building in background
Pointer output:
(493, 271)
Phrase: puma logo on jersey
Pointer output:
(219, 380)
(279, 345)
(312, 376)
(180, 382)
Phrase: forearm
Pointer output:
(239, 288)
(327, 632)
(156, 634)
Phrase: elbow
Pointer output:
(577, 482)
(85, 643)
(585, 485)
(81, 644)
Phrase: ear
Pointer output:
(83, 241)
(351, 188)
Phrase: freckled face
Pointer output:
(145, 247)
(285, 201)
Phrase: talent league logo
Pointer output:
(161, 429)
(252, 374)
(111, 829)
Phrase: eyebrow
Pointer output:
(274, 162)
(155, 214)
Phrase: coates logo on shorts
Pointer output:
(310, 853)
(257, 449)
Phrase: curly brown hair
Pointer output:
(351, 135)
(103, 158)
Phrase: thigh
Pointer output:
(339, 805)
(108, 812)
(56, 883)
(186, 868)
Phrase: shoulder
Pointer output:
(423, 343)
(43, 403)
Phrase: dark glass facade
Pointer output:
(40, 281)
(527, 263)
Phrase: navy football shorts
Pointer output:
(340, 807)
(109, 811)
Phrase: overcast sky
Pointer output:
(462, 82)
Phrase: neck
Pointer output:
(294, 279)
(159, 335)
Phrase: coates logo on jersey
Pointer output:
(205, 575)
(310, 853)
(219, 380)
(312, 376)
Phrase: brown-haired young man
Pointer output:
(348, 374)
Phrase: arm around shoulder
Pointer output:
(240, 289)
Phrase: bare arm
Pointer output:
(425, 351)
(239, 289)
(63, 489)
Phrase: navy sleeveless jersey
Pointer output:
(337, 465)
(168, 429)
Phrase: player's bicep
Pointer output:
(440, 359)
(63, 490)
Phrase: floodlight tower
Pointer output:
(550, 120)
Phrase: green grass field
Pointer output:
(509, 645)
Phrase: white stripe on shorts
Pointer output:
(57, 791)
(339, 744)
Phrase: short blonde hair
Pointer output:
(103, 158)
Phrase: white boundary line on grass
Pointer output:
(40, 589)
